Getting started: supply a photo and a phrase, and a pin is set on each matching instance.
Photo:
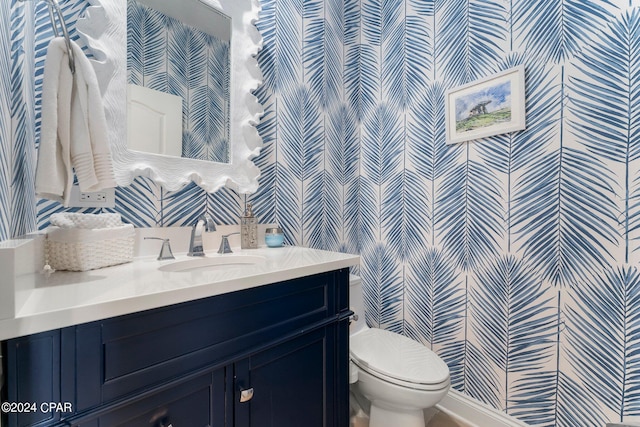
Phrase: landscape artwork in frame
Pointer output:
(486, 107)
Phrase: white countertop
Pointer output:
(70, 298)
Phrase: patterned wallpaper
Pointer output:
(514, 257)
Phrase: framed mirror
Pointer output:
(104, 30)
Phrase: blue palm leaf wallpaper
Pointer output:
(22, 154)
(383, 301)
(6, 140)
(469, 220)
(471, 38)
(514, 320)
(475, 374)
(342, 165)
(140, 204)
(606, 108)
(514, 257)
(361, 78)
(146, 49)
(555, 30)
(604, 340)
(266, 198)
(435, 300)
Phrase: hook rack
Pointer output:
(55, 7)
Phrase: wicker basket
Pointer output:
(88, 249)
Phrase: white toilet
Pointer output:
(399, 376)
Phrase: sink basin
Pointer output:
(213, 263)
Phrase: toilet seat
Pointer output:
(398, 360)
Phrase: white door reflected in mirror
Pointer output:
(154, 121)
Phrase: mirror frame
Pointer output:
(104, 31)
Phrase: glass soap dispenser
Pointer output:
(249, 230)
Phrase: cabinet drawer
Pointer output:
(119, 356)
(190, 403)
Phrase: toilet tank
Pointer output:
(356, 304)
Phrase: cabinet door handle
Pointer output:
(160, 418)
(246, 395)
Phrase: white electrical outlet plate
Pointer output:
(100, 199)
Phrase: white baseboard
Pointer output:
(476, 413)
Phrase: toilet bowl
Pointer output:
(399, 376)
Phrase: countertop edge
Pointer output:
(27, 324)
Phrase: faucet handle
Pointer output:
(225, 248)
(165, 250)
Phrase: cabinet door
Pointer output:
(292, 384)
(198, 402)
(33, 378)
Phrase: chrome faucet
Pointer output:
(195, 244)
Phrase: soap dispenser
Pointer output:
(249, 230)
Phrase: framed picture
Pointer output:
(486, 107)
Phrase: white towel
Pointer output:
(85, 221)
(74, 128)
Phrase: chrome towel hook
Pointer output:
(54, 9)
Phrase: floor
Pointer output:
(436, 418)
(433, 417)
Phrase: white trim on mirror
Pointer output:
(103, 29)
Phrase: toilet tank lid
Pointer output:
(397, 356)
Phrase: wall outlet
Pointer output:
(100, 199)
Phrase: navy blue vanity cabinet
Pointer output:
(274, 355)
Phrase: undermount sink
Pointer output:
(213, 263)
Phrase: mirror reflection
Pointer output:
(178, 70)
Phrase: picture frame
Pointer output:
(486, 107)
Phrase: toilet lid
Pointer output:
(397, 356)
